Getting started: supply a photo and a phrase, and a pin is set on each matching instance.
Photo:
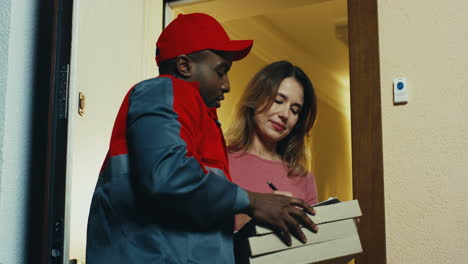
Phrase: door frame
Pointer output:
(47, 190)
(366, 128)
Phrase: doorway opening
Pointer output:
(312, 35)
(110, 54)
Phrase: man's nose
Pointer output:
(225, 86)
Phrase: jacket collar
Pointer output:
(212, 111)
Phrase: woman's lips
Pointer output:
(278, 126)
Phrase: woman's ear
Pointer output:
(184, 66)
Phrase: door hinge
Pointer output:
(62, 99)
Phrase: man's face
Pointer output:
(211, 72)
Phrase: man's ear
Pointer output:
(184, 66)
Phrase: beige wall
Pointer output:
(331, 152)
(426, 141)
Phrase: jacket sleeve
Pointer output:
(166, 168)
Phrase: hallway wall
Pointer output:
(425, 143)
(18, 25)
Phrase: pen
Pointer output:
(272, 186)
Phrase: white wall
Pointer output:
(17, 45)
(425, 142)
(5, 9)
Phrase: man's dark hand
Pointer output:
(283, 214)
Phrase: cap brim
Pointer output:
(240, 48)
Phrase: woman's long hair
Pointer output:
(258, 96)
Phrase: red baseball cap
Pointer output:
(195, 32)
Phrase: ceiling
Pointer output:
(309, 33)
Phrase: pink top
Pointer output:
(252, 172)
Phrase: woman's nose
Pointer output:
(284, 114)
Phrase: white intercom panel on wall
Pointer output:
(400, 91)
